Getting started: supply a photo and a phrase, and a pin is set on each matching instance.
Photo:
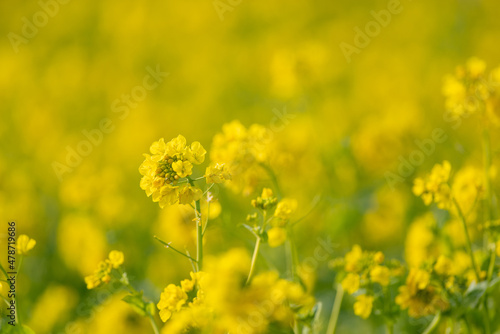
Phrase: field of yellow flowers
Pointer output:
(249, 167)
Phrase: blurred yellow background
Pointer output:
(70, 72)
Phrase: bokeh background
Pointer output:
(350, 122)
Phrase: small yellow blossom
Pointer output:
(276, 236)
(419, 296)
(171, 300)
(378, 257)
(434, 187)
(24, 244)
(498, 248)
(267, 193)
(380, 275)
(363, 306)
(183, 168)
(116, 258)
(265, 201)
(189, 194)
(217, 173)
(285, 208)
(352, 258)
(103, 272)
(351, 283)
(475, 67)
(443, 265)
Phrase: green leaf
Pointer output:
(151, 309)
(137, 303)
(474, 294)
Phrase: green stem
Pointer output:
(467, 238)
(199, 236)
(487, 180)
(292, 250)
(153, 324)
(3, 270)
(468, 324)
(433, 325)
(254, 259)
(332, 323)
(168, 246)
(486, 317)
(199, 229)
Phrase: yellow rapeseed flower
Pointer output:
(217, 173)
(116, 258)
(276, 236)
(285, 208)
(363, 306)
(24, 244)
(171, 300)
(443, 265)
(165, 166)
(380, 275)
(351, 283)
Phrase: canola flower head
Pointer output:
(434, 187)
(165, 166)
(265, 201)
(245, 152)
(116, 258)
(103, 273)
(285, 208)
(217, 173)
(351, 283)
(420, 296)
(24, 244)
(443, 266)
(276, 236)
(471, 90)
(381, 275)
(363, 306)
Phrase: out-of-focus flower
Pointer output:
(171, 300)
(467, 188)
(443, 265)
(116, 258)
(285, 208)
(245, 153)
(380, 275)
(434, 187)
(468, 91)
(53, 307)
(189, 194)
(276, 236)
(363, 306)
(352, 258)
(265, 201)
(351, 283)
(217, 173)
(419, 296)
(24, 244)
(103, 272)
